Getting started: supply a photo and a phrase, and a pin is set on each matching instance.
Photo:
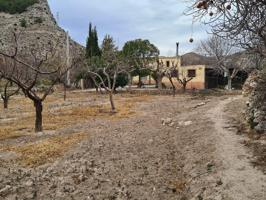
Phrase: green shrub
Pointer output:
(23, 23)
(121, 81)
(15, 6)
(38, 20)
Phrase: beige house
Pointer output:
(196, 72)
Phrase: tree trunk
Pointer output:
(129, 81)
(159, 82)
(156, 83)
(5, 100)
(229, 86)
(184, 87)
(65, 92)
(112, 101)
(173, 86)
(38, 120)
(140, 83)
(100, 88)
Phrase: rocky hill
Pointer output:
(35, 22)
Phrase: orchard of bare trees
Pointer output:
(28, 67)
(238, 30)
(109, 121)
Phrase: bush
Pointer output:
(38, 20)
(15, 6)
(121, 81)
(23, 23)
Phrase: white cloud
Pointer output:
(160, 21)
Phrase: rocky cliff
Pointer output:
(34, 23)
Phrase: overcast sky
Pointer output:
(160, 21)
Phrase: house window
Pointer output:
(191, 73)
(167, 63)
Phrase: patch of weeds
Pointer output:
(23, 23)
(210, 167)
(38, 20)
(45, 151)
(178, 186)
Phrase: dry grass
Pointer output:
(68, 116)
(17, 128)
(178, 186)
(45, 151)
(9, 133)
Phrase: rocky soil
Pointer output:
(174, 148)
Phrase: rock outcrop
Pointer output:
(255, 89)
(37, 22)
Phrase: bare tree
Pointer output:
(171, 72)
(220, 50)
(158, 69)
(106, 70)
(184, 79)
(107, 75)
(226, 60)
(107, 78)
(241, 21)
(32, 65)
(7, 91)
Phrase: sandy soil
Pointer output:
(165, 148)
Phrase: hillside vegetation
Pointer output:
(15, 6)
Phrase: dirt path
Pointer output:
(242, 181)
(190, 156)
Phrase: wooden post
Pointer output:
(82, 84)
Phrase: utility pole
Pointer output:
(68, 61)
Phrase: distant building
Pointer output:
(194, 66)
(195, 71)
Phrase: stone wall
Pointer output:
(255, 89)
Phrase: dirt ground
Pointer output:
(188, 147)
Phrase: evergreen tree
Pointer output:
(96, 50)
(109, 50)
(92, 46)
(89, 43)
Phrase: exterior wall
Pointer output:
(147, 80)
(198, 82)
(175, 60)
